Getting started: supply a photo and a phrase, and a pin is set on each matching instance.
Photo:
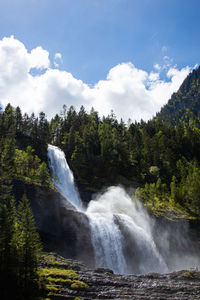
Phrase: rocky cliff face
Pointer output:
(62, 228)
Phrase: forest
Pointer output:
(160, 159)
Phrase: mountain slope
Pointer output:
(184, 105)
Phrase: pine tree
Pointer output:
(30, 248)
(8, 250)
(43, 174)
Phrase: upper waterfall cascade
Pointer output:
(62, 176)
(120, 228)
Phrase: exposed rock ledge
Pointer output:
(103, 284)
(62, 229)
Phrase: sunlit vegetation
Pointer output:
(28, 167)
(191, 274)
(181, 200)
(59, 278)
(184, 106)
(58, 272)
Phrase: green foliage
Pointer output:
(58, 272)
(29, 168)
(184, 106)
(50, 259)
(154, 170)
(187, 190)
(29, 239)
(59, 280)
(66, 278)
(19, 251)
(43, 175)
(7, 151)
(79, 285)
(19, 243)
(191, 274)
(182, 199)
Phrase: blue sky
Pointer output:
(94, 36)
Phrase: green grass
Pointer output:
(58, 272)
(57, 278)
(51, 260)
(79, 285)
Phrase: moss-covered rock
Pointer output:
(79, 285)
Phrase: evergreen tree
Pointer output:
(30, 250)
(43, 174)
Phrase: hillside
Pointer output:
(184, 106)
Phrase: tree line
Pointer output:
(105, 151)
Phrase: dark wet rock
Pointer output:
(62, 228)
(150, 286)
(103, 284)
(103, 270)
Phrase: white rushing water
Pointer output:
(112, 217)
(107, 242)
(150, 258)
(115, 204)
(62, 176)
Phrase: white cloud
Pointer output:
(157, 67)
(14, 62)
(160, 91)
(57, 59)
(129, 91)
(58, 56)
(154, 76)
(39, 58)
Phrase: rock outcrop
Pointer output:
(62, 228)
(103, 284)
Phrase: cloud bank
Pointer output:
(128, 91)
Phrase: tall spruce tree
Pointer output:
(30, 248)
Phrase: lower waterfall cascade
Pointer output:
(121, 229)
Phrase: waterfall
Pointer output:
(114, 217)
(62, 176)
(148, 257)
(107, 242)
(120, 229)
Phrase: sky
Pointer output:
(128, 56)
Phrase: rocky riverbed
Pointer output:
(104, 284)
